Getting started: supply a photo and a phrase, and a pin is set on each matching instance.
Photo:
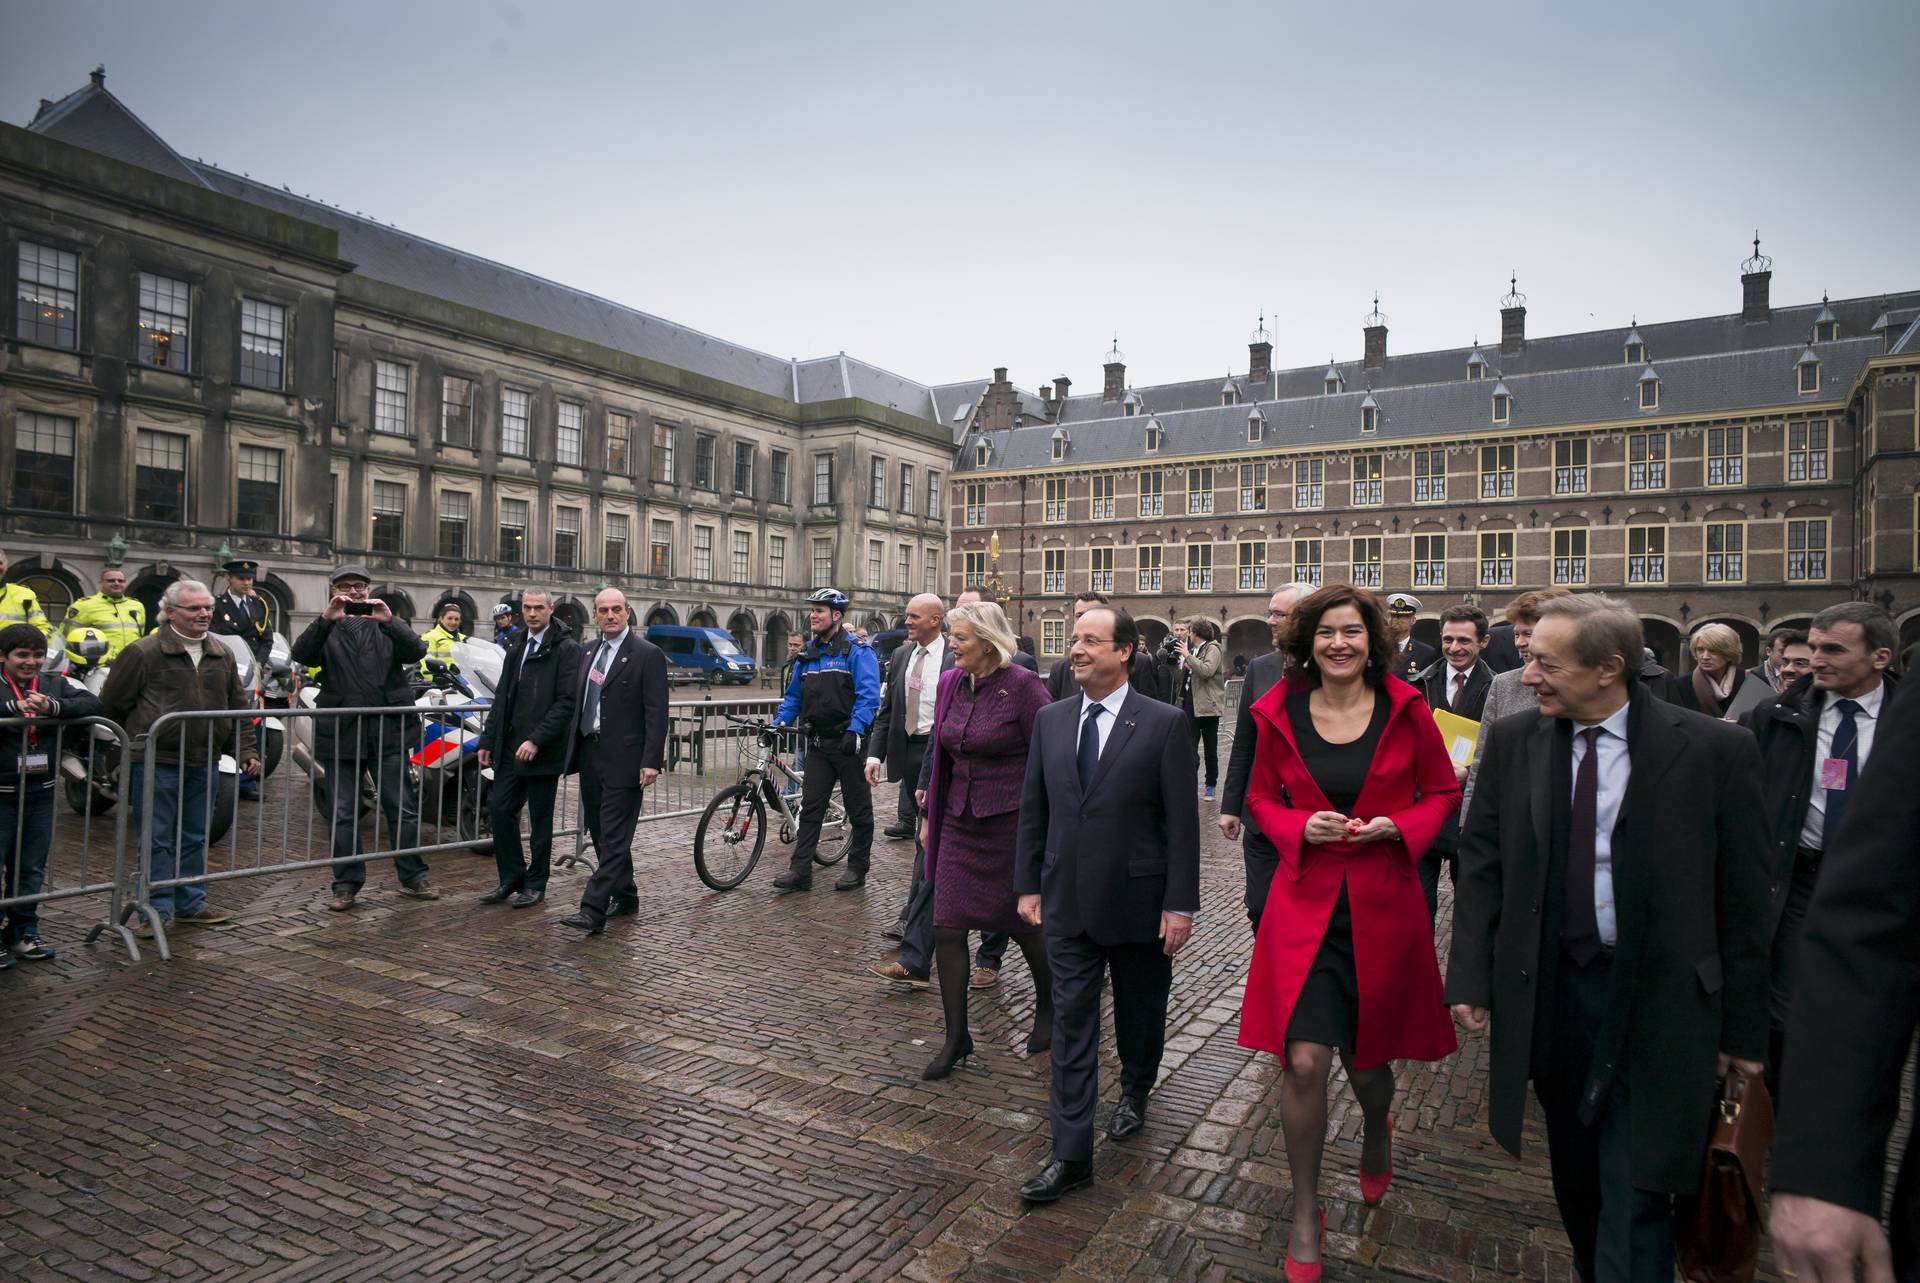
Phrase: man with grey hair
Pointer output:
(175, 669)
(1262, 858)
(1611, 924)
(898, 739)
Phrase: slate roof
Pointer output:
(93, 119)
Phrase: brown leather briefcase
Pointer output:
(1716, 1234)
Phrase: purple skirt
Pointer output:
(973, 877)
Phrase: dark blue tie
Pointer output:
(1846, 745)
(1089, 756)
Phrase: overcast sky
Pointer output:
(943, 188)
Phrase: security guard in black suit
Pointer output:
(241, 612)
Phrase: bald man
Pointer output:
(905, 720)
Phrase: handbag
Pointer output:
(1716, 1235)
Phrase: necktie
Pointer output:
(913, 690)
(1453, 695)
(1583, 927)
(601, 662)
(1089, 755)
(1846, 745)
(533, 644)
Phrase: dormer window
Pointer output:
(1153, 436)
(1369, 415)
(1476, 367)
(1256, 428)
(1332, 380)
(1636, 354)
(1059, 444)
(1808, 370)
(1130, 406)
(1229, 393)
(1649, 389)
(1826, 332)
(1502, 403)
(981, 453)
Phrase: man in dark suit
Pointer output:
(898, 739)
(1261, 857)
(526, 742)
(1457, 684)
(619, 741)
(1410, 657)
(1502, 654)
(1611, 921)
(1108, 865)
(1858, 1002)
(1140, 676)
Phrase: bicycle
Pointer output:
(742, 808)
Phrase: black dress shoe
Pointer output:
(527, 899)
(1061, 1176)
(850, 880)
(579, 920)
(624, 909)
(499, 895)
(791, 881)
(898, 832)
(952, 1054)
(1129, 1116)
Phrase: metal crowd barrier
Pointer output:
(72, 830)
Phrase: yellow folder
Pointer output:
(1459, 734)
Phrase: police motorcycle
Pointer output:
(453, 784)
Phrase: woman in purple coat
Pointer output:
(982, 724)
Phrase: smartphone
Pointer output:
(358, 608)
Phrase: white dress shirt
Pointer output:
(1813, 832)
(930, 677)
(1104, 727)
(1615, 767)
(1457, 682)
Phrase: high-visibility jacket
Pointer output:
(18, 605)
(439, 642)
(120, 620)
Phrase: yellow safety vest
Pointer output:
(18, 605)
(121, 622)
(439, 642)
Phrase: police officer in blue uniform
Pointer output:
(833, 695)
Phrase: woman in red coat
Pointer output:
(1352, 783)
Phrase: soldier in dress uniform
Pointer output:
(241, 612)
(1410, 657)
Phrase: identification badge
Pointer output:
(32, 763)
(1833, 773)
(915, 684)
(597, 677)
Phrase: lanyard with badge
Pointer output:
(34, 760)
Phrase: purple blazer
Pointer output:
(992, 785)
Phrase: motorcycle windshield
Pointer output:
(242, 655)
(480, 663)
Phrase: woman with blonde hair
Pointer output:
(1717, 672)
(982, 724)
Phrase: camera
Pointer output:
(358, 608)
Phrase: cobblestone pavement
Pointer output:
(714, 1090)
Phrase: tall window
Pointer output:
(778, 473)
(823, 562)
(263, 344)
(1199, 490)
(1496, 472)
(1570, 556)
(513, 531)
(1151, 560)
(822, 479)
(1368, 469)
(1253, 487)
(613, 545)
(257, 490)
(165, 306)
(1807, 549)
(1054, 503)
(1429, 476)
(1570, 467)
(1807, 451)
(1199, 567)
(1367, 569)
(660, 549)
(43, 469)
(1053, 574)
(1100, 568)
(906, 488)
(703, 470)
(903, 568)
(46, 305)
(743, 469)
(516, 437)
(1308, 555)
(703, 553)
(1102, 507)
(1646, 554)
(666, 440)
(777, 560)
(933, 583)
(933, 498)
(160, 476)
(1253, 565)
(876, 562)
(1496, 558)
(1053, 637)
(742, 557)
(975, 496)
(1153, 493)
(619, 444)
(570, 433)
(1309, 484)
(1429, 561)
(389, 517)
(1647, 461)
(876, 482)
(456, 411)
(973, 572)
(1726, 552)
(566, 537)
(1726, 456)
(390, 384)
(456, 516)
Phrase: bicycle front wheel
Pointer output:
(728, 842)
(836, 836)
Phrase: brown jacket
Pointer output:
(155, 676)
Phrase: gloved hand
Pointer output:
(770, 737)
(849, 745)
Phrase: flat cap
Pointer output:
(352, 570)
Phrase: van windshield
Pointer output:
(723, 646)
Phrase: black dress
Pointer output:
(1328, 1009)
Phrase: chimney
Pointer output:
(1513, 317)
(1376, 336)
(1260, 353)
(1116, 369)
(99, 76)
(1060, 385)
(1756, 276)
(999, 405)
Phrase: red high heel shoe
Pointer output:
(1373, 1185)
(1306, 1271)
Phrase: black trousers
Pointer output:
(1142, 978)
(1262, 859)
(1206, 734)
(916, 923)
(612, 809)
(1786, 945)
(907, 811)
(1619, 1234)
(513, 791)
(1429, 870)
(348, 748)
(824, 768)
